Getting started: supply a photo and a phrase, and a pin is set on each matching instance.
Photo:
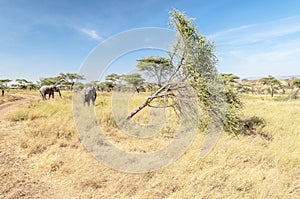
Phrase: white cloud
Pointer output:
(248, 34)
(91, 33)
(263, 48)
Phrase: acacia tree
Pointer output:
(193, 61)
(231, 80)
(227, 78)
(135, 80)
(272, 82)
(295, 83)
(114, 78)
(49, 80)
(69, 79)
(3, 85)
(24, 84)
(107, 86)
(158, 68)
(4, 82)
(63, 79)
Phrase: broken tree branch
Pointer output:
(146, 103)
(157, 94)
(165, 87)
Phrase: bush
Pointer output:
(294, 95)
(254, 126)
(249, 126)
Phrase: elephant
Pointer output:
(88, 94)
(44, 90)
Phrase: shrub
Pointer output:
(253, 126)
(294, 95)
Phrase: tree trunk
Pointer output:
(71, 86)
(272, 91)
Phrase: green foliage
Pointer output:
(134, 79)
(296, 82)
(5, 80)
(22, 83)
(3, 83)
(49, 80)
(63, 79)
(25, 84)
(158, 68)
(253, 125)
(229, 78)
(272, 82)
(199, 60)
(32, 86)
(294, 95)
(114, 78)
(69, 79)
(78, 86)
(107, 86)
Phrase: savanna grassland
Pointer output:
(42, 156)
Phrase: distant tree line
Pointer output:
(159, 69)
(267, 85)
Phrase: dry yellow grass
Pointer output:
(238, 167)
(8, 98)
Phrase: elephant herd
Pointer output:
(88, 94)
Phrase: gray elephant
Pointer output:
(44, 90)
(89, 94)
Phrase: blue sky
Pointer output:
(40, 38)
